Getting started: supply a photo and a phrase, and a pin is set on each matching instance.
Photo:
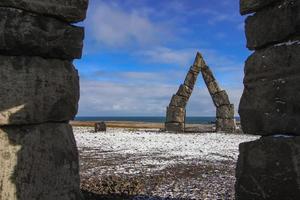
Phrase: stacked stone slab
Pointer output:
(269, 168)
(175, 120)
(39, 93)
(225, 121)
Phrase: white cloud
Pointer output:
(180, 57)
(113, 99)
(112, 26)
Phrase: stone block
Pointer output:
(221, 98)
(225, 125)
(225, 112)
(24, 33)
(36, 90)
(213, 88)
(175, 114)
(268, 169)
(270, 101)
(178, 101)
(273, 25)
(66, 10)
(174, 127)
(191, 79)
(207, 75)
(250, 6)
(39, 162)
(184, 91)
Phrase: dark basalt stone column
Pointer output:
(268, 168)
(39, 93)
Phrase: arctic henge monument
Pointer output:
(176, 112)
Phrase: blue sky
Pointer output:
(137, 52)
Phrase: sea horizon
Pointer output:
(152, 119)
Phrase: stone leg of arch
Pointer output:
(175, 115)
(269, 168)
(39, 93)
(225, 121)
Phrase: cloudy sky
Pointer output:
(137, 52)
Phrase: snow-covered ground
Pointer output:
(158, 149)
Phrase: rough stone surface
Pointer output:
(213, 87)
(176, 111)
(273, 25)
(221, 98)
(23, 33)
(270, 101)
(269, 168)
(174, 127)
(225, 111)
(207, 74)
(175, 114)
(38, 162)
(67, 10)
(249, 6)
(225, 125)
(184, 91)
(37, 90)
(178, 101)
(191, 79)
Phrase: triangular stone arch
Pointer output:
(176, 111)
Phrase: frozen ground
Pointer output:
(148, 162)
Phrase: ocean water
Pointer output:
(189, 120)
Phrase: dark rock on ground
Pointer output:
(274, 24)
(249, 6)
(24, 33)
(100, 127)
(67, 10)
(39, 162)
(270, 101)
(37, 90)
(269, 168)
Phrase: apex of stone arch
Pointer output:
(198, 63)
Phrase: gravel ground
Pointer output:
(148, 164)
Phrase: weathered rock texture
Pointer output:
(67, 10)
(39, 92)
(175, 120)
(273, 24)
(44, 36)
(249, 6)
(38, 162)
(36, 90)
(269, 168)
(270, 102)
(225, 121)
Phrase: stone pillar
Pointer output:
(225, 121)
(175, 120)
(39, 93)
(268, 168)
